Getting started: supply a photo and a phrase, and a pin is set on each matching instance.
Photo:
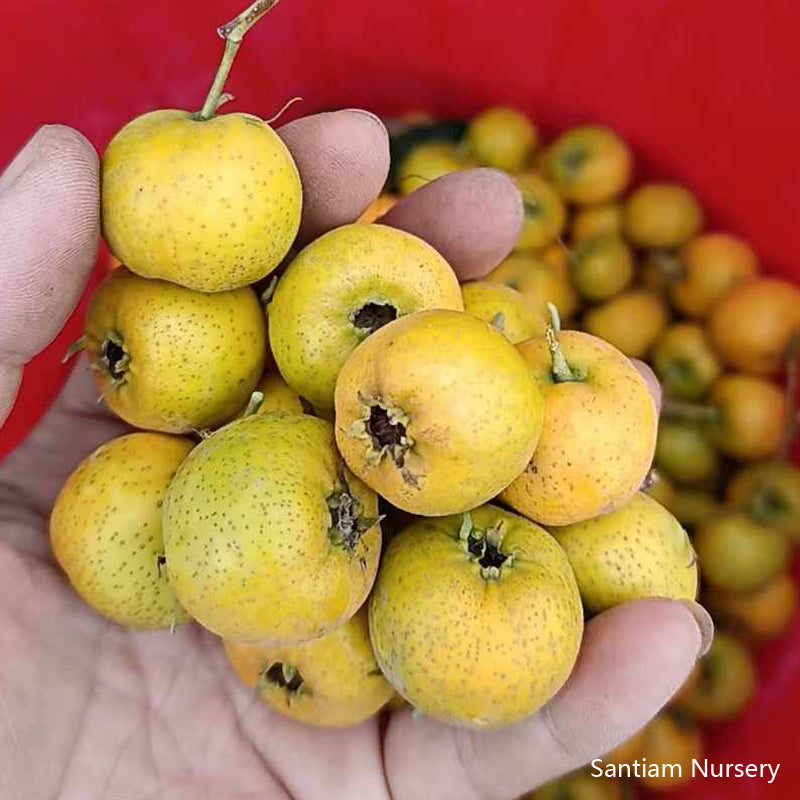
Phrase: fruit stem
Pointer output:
(286, 106)
(254, 403)
(689, 412)
(561, 370)
(266, 295)
(792, 387)
(765, 505)
(232, 32)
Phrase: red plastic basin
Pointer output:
(706, 92)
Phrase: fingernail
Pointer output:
(22, 160)
(704, 624)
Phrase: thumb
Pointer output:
(49, 232)
(651, 380)
(634, 657)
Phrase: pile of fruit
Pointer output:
(638, 271)
(371, 481)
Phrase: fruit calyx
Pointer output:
(767, 506)
(284, 676)
(572, 159)
(385, 430)
(561, 371)
(372, 316)
(347, 524)
(114, 358)
(532, 210)
(485, 548)
(232, 32)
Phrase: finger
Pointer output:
(473, 218)
(72, 428)
(10, 379)
(347, 151)
(651, 380)
(49, 232)
(343, 159)
(633, 659)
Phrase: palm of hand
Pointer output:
(125, 714)
(89, 711)
(145, 714)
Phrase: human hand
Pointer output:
(89, 710)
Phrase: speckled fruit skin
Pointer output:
(472, 412)
(468, 649)
(588, 164)
(737, 554)
(211, 205)
(194, 358)
(312, 326)
(640, 550)
(105, 529)
(753, 323)
(342, 684)
(247, 529)
(725, 684)
(598, 438)
(278, 395)
(504, 308)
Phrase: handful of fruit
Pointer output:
(639, 272)
(339, 389)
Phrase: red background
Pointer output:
(706, 92)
